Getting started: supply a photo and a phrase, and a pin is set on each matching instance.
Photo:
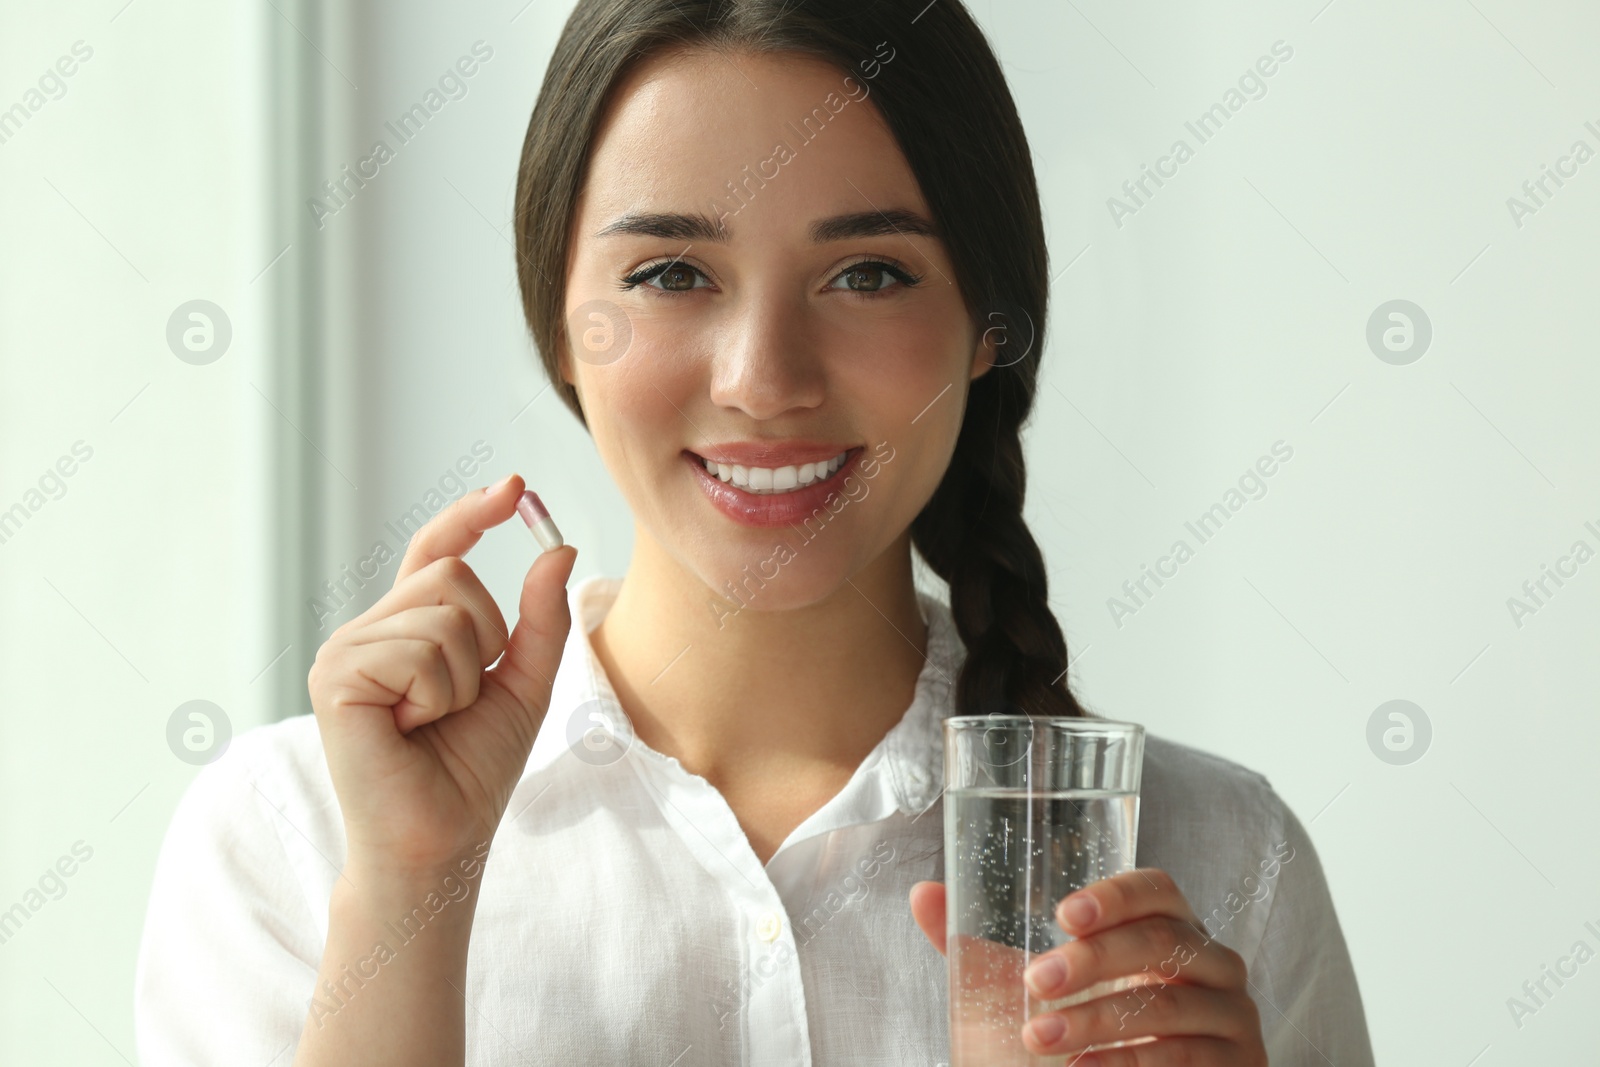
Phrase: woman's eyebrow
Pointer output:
(682, 226)
(671, 225)
(894, 220)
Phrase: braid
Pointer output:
(973, 535)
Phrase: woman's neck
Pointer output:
(744, 693)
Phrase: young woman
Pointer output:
(776, 256)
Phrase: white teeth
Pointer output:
(763, 480)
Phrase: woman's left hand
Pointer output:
(1191, 1004)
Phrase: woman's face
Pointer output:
(751, 282)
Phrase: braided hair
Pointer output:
(942, 93)
(972, 534)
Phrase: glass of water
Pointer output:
(1035, 808)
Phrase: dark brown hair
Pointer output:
(943, 96)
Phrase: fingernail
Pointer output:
(1047, 1029)
(1080, 910)
(1046, 976)
(497, 486)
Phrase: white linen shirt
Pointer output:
(624, 918)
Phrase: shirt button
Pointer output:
(769, 927)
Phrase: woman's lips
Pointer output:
(769, 509)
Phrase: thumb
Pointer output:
(527, 668)
(927, 908)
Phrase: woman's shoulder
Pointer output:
(266, 800)
(1247, 865)
(278, 759)
(1218, 827)
(1198, 806)
(240, 885)
(1176, 772)
(1228, 839)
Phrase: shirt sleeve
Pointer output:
(229, 955)
(1301, 977)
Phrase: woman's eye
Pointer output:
(867, 278)
(872, 277)
(674, 277)
(677, 278)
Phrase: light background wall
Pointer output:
(1228, 312)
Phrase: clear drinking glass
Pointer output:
(1035, 808)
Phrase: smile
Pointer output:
(775, 479)
(771, 496)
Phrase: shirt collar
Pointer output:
(581, 696)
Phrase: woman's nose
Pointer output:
(766, 360)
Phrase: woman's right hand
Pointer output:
(424, 740)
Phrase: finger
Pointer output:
(447, 581)
(404, 680)
(1159, 948)
(1122, 898)
(447, 626)
(527, 669)
(1176, 1052)
(458, 527)
(1168, 1011)
(928, 911)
